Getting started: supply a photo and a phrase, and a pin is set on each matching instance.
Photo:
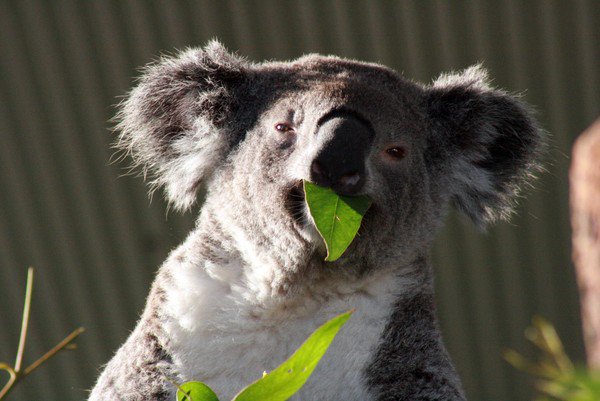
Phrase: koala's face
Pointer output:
(344, 131)
(257, 131)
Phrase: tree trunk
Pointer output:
(585, 220)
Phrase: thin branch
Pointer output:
(11, 381)
(16, 374)
(56, 349)
(25, 321)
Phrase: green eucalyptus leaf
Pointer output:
(195, 391)
(290, 376)
(336, 217)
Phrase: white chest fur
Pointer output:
(222, 336)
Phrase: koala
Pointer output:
(249, 284)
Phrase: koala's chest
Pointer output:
(230, 351)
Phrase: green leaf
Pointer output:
(290, 376)
(195, 391)
(336, 217)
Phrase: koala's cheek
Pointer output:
(295, 166)
(284, 141)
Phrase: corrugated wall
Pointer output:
(96, 241)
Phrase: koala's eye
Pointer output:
(283, 127)
(396, 152)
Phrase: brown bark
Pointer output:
(585, 220)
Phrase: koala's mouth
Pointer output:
(295, 203)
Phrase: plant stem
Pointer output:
(56, 349)
(16, 374)
(16, 377)
(25, 321)
(11, 381)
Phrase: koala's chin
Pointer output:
(249, 284)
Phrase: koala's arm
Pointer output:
(141, 369)
(412, 364)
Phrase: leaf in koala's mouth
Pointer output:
(336, 217)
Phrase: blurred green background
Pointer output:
(96, 240)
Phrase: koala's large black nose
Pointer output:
(340, 163)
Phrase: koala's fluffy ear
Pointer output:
(485, 143)
(177, 122)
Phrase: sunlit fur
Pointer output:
(249, 283)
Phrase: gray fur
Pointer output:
(177, 100)
(411, 363)
(206, 116)
(491, 134)
(142, 360)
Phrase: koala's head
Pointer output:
(252, 132)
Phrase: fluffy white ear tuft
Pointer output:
(176, 122)
(199, 153)
(475, 77)
(485, 142)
